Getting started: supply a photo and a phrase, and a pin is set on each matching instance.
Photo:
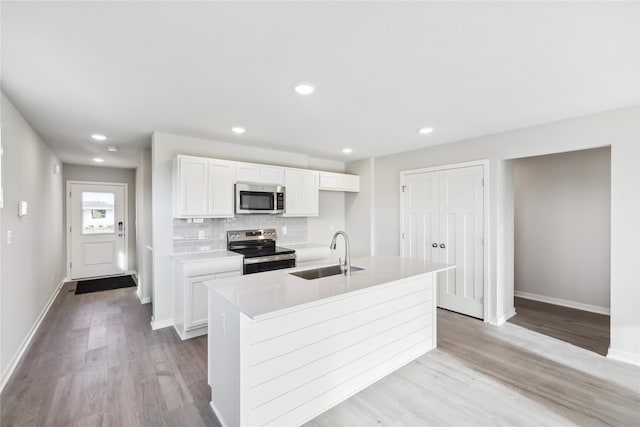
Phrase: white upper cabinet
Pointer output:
(301, 197)
(339, 182)
(262, 174)
(190, 186)
(221, 180)
(202, 187)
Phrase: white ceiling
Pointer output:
(382, 70)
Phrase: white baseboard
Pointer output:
(623, 356)
(143, 300)
(159, 324)
(217, 414)
(497, 321)
(27, 341)
(563, 302)
(192, 333)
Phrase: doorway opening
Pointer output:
(562, 234)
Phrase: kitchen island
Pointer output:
(283, 349)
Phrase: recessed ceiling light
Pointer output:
(98, 137)
(347, 150)
(239, 130)
(98, 160)
(112, 148)
(304, 88)
(425, 131)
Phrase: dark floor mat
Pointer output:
(96, 285)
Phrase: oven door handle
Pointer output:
(272, 258)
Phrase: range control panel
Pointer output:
(241, 235)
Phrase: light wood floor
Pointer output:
(95, 361)
(581, 328)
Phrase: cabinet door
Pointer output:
(271, 175)
(248, 172)
(339, 182)
(221, 179)
(301, 197)
(293, 192)
(261, 174)
(193, 187)
(196, 302)
(310, 193)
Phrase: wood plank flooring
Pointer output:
(581, 328)
(95, 361)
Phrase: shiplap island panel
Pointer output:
(283, 349)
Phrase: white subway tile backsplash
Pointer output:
(185, 235)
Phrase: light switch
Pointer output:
(8, 237)
(22, 208)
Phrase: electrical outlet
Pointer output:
(9, 237)
(201, 234)
(284, 230)
(224, 323)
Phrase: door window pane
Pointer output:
(98, 213)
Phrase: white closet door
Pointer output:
(443, 222)
(421, 216)
(461, 234)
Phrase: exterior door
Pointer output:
(97, 229)
(443, 221)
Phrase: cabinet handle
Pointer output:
(442, 245)
(434, 245)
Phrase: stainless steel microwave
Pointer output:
(252, 198)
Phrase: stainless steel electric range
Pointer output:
(260, 250)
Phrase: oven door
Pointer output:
(268, 263)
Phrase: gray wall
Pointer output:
(32, 267)
(107, 174)
(618, 128)
(563, 226)
(357, 223)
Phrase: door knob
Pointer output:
(442, 245)
(434, 245)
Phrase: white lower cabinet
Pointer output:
(190, 293)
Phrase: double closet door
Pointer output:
(442, 221)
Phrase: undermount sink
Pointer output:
(317, 273)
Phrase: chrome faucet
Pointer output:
(347, 257)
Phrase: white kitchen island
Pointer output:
(283, 349)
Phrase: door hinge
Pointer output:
(403, 236)
(70, 264)
(403, 187)
(483, 182)
(69, 193)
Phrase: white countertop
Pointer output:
(203, 256)
(264, 293)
